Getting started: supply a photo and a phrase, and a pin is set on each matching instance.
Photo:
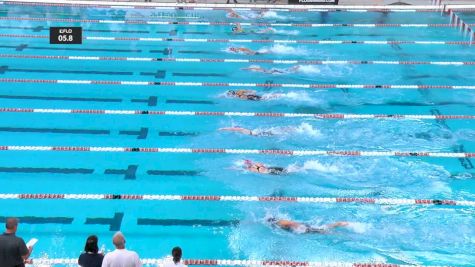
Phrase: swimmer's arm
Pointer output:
(335, 225)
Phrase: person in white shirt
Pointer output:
(176, 254)
(121, 257)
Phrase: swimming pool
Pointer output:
(134, 111)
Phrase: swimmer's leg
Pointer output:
(277, 170)
(312, 230)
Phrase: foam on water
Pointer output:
(313, 165)
(288, 32)
(358, 227)
(292, 97)
(272, 15)
(280, 49)
(309, 69)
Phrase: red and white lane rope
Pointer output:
(227, 84)
(327, 116)
(374, 201)
(244, 7)
(212, 262)
(342, 153)
(196, 23)
(263, 41)
(231, 60)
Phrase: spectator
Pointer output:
(121, 257)
(176, 254)
(13, 250)
(91, 256)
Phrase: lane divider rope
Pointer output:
(343, 153)
(374, 201)
(244, 7)
(232, 60)
(264, 41)
(227, 84)
(196, 23)
(327, 116)
(212, 262)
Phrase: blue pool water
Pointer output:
(427, 235)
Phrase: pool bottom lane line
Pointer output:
(344, 153)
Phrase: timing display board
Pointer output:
(65, 35)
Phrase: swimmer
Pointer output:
(251, 95)
(258, 167)
(247, 131)
(244, 94)
(232, 14)
(303, 228)
(257, 68)
(244, 50)
(237, 28)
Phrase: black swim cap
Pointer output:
(271, 220)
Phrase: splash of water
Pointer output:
(280, 49)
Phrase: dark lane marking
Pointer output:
(114, 222)
(173, 172)
(197, 52)
(457, 148)
(268, 85)
(129, 173)
(197, 33)
(34, 29)
(176, 222)
(151, 101)
(141, 134)
(166, 51)
(182, 74)
(159, 74)
(61, 98)
(173, 101)
(46, 170)
(52, 130)
(122, 31)
(4, 69)
(25, 46)
(41, 220)
(465, 162)
(178, 134)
